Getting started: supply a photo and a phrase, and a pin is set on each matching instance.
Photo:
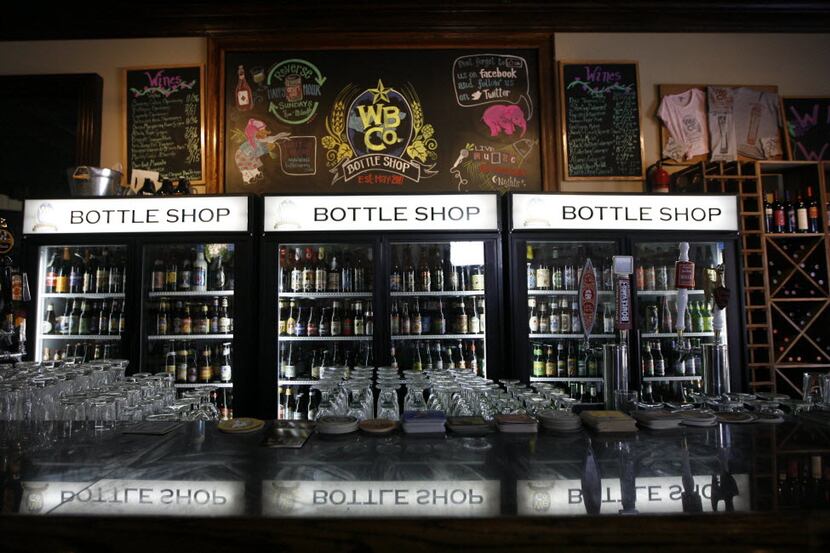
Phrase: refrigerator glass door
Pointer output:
(558, 352)
(325, 318)
(438, 305)
(80, 302)
(670, 367)
(188, 317)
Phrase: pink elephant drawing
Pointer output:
(504, 117)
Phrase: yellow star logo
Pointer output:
(380, 93)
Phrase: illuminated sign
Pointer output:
(455, 212)
(654, 495)
(625, 212)
(136, 215)
(134, 497)
(294, 498)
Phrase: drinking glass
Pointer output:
(388, 406)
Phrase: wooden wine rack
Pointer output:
(741, 179)
(797, 293)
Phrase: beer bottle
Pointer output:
(561, 361)
(572, 370)
(320, 272)
(437, 271)
(62, 276)
(538, 361)
(550, 361)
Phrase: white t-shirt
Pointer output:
(684, 115)
(722, 124)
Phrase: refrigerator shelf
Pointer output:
(324, 295)
(564, 292)
(297, 382)
(444, 294)
(96, 296)
(189, 294)
(203, 385)
(87, 337)
(665, 292)
(674, 335)
(566, 379)
(4, 356)
(325, 338)
(414, 337)
(670, 378)
(570, 336)
(157, 337)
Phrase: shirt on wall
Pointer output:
(721, 123)
(757, 122)
(684, 115)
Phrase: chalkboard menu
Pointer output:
(808, 128)
(163, 116)
(601, 112)
(381, 121)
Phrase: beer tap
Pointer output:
(684, 278)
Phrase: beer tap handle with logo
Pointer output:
(684, 278)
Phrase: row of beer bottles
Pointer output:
(562, 317)
(306, 270)
(297, 403)
(83, 317)
(297, 361)
(434, 273)
(565, 360)
(342, 318)
(191, 364)
(552, 272)
(188, 271)
(407, 317)
(437, 355)
(90, 272)
(83, 351)
(682, 361)
(193, 318)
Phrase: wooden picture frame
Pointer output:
(563, 118)
(218, 49)
(206, 160)
(801, 154)
(669, 89)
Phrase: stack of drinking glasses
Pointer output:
(98, 391)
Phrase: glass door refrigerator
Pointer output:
(671, 366)
(546, 264)
(552, 235)
(412, 280)
(159, 281)
(82, 283)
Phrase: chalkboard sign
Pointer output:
(808, 128)
(600, 110)
(381, 121)
(163, 119)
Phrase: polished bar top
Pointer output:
(198, 471)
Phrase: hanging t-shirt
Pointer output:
(684, 115)
(721, 123)
(757, 122)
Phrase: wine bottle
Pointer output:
(813, 224)
(802, 221)
(243, 97)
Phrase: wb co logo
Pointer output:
(380, 122)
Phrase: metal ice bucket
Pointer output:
(94, 181)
